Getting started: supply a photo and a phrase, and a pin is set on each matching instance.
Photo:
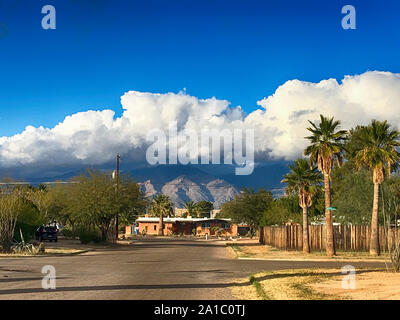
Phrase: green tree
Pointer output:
(161, 206)
(11, 203)
(377, 152)
(282, 210)
(390, 196)
(303, 180)
(352, 194)
(29, 219)
(39, 196)
(247, 207)
(190, 207)
(204, 208)
(326, 145)
(59, 207)
(94, 202)
(132, 201)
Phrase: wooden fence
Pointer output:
(347, 238)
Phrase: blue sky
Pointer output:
(240, 51)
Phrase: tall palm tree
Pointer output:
(303, 179)
(326, 146)
(377, 152)
(190, 207)
(161, 206)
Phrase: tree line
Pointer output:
(87, 205)
(357, 169)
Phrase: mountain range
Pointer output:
(215, 183)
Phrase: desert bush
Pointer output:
(28, 248)
(11, 202)
(28, 231)
(87, 235)
(68, 232)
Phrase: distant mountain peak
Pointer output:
(182, 189)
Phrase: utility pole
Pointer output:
(116, 190)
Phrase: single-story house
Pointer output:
(186, 226)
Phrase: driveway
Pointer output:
(159, 268)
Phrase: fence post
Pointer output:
(261, 236)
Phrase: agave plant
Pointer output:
(27, 248)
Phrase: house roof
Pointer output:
(168, 219)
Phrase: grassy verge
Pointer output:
(254, 250)
(284, 285)
(318, 284)
(259, 289)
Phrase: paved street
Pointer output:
(150, 269)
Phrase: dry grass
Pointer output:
(283, 285)
(252, 249)
(318, 284)
(370, 285)
(64, 251)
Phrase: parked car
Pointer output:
(46, 233)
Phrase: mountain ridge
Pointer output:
(215, 183)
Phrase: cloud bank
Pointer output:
(94, 137)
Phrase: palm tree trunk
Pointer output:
(374, 248)
(330, 244)
(306, 242)
(161, 226)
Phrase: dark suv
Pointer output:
(46, 233)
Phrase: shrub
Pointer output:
(28, 231)
(86, 235)
(28, 248)
(68, 233)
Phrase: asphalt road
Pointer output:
(161, 268)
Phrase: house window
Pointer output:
(205, 225)
(155, 227)
(226, 226)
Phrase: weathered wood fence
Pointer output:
(347, 238)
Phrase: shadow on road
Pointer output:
(125, 287)
(24, 279)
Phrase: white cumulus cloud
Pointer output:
(94, 137)
(356, 100)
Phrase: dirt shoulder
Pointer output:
(372, 285)
(251, 249)
(318, 284)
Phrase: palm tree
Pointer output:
(190, 207)
(161, 206)
(377, 152)
(303, 179)
(326, 147)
